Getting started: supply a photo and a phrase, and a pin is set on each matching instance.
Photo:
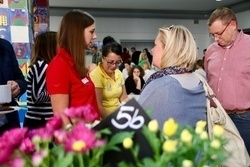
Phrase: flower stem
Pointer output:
(137, 162)
(80, 159)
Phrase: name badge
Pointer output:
(85, 80)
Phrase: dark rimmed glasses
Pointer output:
(111, 63)
(219, 34)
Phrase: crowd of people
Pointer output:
(60, 78)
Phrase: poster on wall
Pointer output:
(4, 17)
(4, 4)
(22, 50)
(24, 66)
(19, 17)
(18, 4)
(40, 11)
(19, 34)
(42, 3)
(5, 32)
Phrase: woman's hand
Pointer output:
(136, 78)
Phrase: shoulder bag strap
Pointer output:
(207, 88)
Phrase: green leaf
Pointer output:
(149, 112)
(153, 140)
(64, 161)
(148, 162)
(124, 164)
(105, 131)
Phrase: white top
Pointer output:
(125, 73)
(148, 73)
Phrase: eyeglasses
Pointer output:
(219, 34)
(111, 63)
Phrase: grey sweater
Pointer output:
(168, 99)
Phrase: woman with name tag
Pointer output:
(67, 77)
(108, 79)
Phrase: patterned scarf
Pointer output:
(164, 72)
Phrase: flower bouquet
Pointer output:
(55, 146)
(82, 146)
(176, 146)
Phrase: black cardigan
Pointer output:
(131, 86)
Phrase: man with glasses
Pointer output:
(227, 64)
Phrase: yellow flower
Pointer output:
(203, 135)
(187, 163)
(186, 136)
(215, 144)
(127, 143)
(78, 145)
(218, 130)
(153, 126)
(198, 129)
(170, 127)
(201, 124)
(169, 146)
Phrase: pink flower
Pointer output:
(14, 137)
(54, 123)
(5, 153)
(27, 146)
(17, 162)
(80, 139)
(43, 133)
(60, 136)
(9, 141)
(90, 114)
(37, 159)
(87, 113)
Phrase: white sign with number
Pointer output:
(133, 120)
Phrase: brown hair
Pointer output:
(45, 47)
(142, 73)
(223, 13)
(200, 63)
(71, 37)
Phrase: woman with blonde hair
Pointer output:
(174, 91)
(147, 70)
(68, 82)
(143, 57)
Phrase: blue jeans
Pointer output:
(242, 122)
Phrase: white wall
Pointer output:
(146, 29)
(243, 19)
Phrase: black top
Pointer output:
(131, 86)
(135, 57)
(9, 70)
(38, 99)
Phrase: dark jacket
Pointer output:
(9, 70)
(131, 86)
(135, 57)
